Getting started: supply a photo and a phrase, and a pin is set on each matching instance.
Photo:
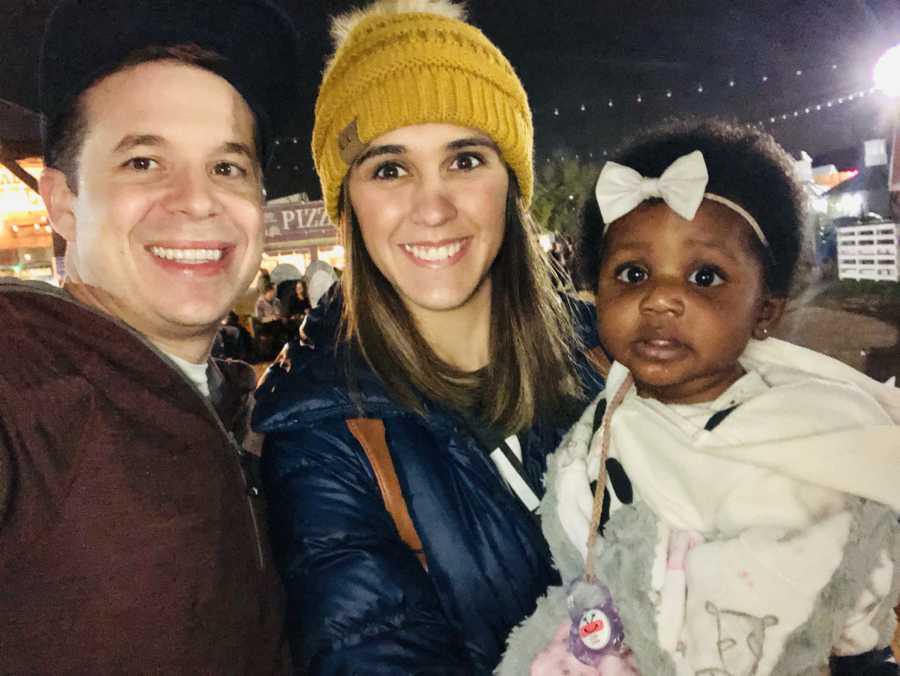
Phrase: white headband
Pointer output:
(682, 187)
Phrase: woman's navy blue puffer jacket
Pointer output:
(360, 602)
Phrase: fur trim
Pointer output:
(343, 25)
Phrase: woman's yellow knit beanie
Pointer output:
(405, 62)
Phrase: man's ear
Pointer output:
(770, 313)
(60, 202)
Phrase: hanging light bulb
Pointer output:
(887, 72)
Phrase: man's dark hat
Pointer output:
(88, 39)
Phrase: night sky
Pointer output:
(578, 53)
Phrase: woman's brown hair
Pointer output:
(530, 371)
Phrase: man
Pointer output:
(131, 529)
(268, 307)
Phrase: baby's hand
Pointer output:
(556, 660)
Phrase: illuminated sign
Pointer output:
(297, 222)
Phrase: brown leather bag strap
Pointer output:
(369, 432)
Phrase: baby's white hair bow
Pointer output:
(682, 187)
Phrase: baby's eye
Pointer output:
(388, 171)
(706, 275)
(140, 163)
(467, 161)
(631, 274)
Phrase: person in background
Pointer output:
(263, 279)
(444, 346)
(268, 307)
(232, 341)
(298, 302)
(131, 536)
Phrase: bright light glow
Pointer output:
(820, 205)
(850, 204)
(887, 72)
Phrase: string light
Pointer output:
(853, 96)
(700, 88)
(669, 94)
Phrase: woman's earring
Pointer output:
(760, 333)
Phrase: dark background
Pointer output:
(574, 53)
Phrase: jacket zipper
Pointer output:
(252, 492)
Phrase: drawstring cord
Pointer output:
(600, 491)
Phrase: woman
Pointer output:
(295, 300)
(447, 331)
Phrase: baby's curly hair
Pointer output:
(745, 165)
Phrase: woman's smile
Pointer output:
(437, 254)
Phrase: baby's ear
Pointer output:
(770, 312)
